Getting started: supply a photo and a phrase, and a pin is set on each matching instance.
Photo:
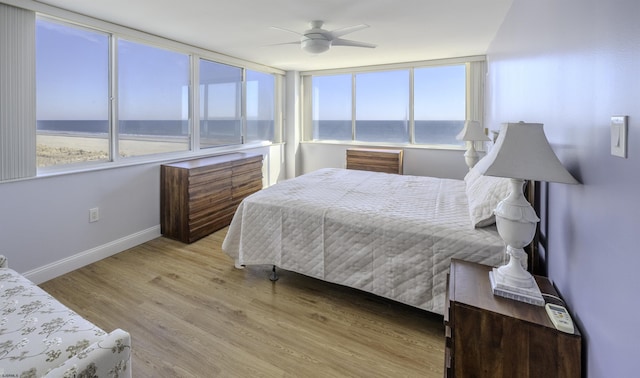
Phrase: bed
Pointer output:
(387, 234)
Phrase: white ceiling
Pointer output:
(403, 30)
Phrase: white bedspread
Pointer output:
(391, 235)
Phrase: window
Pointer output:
(408, 105)
(332, 107)
(260, 106)
(382, 107)
(90, 111)
(440, 105)
(220, 104)
(153, 100)
(72, 92)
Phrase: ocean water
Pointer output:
(224, 129)
(227, 131)
(426, 132)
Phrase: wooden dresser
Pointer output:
(200, 196)
(491, 336)
(377, 160)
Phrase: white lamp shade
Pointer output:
(472, 131)
(523, 152)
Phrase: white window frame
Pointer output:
(475, 75)
(116, 31)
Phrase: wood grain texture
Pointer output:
(376, 160)
(192, 314)
(200, 196)
(490, 336)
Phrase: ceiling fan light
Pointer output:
(315, 46)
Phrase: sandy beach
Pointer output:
(66, 149)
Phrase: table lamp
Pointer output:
(520, 153)
(471, 133)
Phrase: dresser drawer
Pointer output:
(200, 196)
(376, 160)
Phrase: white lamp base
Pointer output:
(471, 156)
(501, 288)
(516, 222)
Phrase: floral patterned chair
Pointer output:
(40, 337)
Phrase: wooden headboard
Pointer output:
(532, 193)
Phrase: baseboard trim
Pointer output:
(60, 267)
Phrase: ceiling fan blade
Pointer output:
(349, 29)
(284, 43)
(346, 42)
(287, 30)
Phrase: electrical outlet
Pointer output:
(94, 215)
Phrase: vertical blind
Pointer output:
(475, 92)
(17, 93)
(476, 72)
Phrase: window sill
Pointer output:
(139, 160)
(386, 145)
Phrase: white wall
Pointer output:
(44, 222)
(292, 131)
(571, 65)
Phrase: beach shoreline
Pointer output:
(54, 150)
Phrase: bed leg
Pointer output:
(274, 275)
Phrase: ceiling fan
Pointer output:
(316, 40)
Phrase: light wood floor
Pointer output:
(192, 314)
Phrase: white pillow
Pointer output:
(484, 193)
(471, 176)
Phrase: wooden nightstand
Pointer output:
(491, 336)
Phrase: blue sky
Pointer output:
(72, 68)
(153, 83)
(72, 83)
(72, 77)
(439, 94)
